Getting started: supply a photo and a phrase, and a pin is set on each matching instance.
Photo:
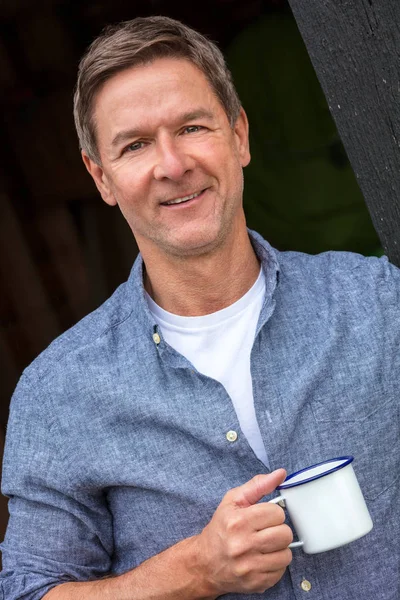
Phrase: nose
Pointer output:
(172, 161)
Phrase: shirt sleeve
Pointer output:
(59, 529)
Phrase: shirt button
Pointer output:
(156, 338)
(231, 436)
(305, 585)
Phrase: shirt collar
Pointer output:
(268, 257)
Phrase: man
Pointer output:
(141, 443)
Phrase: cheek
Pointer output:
(129, 189)
(233, 170)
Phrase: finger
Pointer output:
(273, 539)
(263, 515)
(263, 564)
(278, 561)
(269, 580)
(255, 489)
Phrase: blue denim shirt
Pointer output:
(116, 446)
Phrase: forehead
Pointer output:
(153, 91)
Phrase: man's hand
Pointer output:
(245, 545)
(244, 549)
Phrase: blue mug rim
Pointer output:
(286, 484)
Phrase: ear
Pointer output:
(241, 131)
(100, 179)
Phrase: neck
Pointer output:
(200, 285)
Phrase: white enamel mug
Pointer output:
(325, 505)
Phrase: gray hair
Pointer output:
(139, 42)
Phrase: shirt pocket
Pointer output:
(368, 427)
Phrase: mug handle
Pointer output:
(277, 500)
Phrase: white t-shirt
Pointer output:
(219, 345)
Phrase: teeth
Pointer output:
(184, 199)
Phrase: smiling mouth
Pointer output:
(182, 200)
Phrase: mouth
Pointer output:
(183, 199)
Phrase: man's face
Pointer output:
(169, 157)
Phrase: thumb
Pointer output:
(251, 492)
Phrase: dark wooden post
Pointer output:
(355, 49)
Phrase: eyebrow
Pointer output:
(124, 136)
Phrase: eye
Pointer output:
(192, 128)
(134, 147)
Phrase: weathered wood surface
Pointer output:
(355, 49)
